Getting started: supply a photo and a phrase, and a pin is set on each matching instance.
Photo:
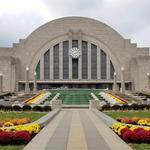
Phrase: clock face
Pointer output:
(75, 52)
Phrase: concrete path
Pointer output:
(76, 129)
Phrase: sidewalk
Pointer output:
(77, 129)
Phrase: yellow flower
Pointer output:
(8, 124)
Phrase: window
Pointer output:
(74, 43)
(65, 59)
(84, 60)
(37, 70)
(93, 61)
(75, 68)
(47, 65)
(112, 70)
(103, 65)
(56, 61)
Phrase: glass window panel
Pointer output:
(103, 65)
(47, 65)
(112, 70)
(37, 70)
(84, 60)
(93, 61)
(65, 59)
(56, 61)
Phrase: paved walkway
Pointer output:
(76, 129)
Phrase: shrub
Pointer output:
(46, 108)
(142, 106)
(134, 107)
(115, 107)
(8, 108)
(124, 107)
(17, 108)
(26, 108)
(106, 107)
(37, 108)
(2, 107)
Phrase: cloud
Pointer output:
(129, 18)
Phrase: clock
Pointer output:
(75, 52)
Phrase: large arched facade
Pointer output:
(74, 52)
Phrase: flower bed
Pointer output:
(131, 133)
(135, 120)
(14, 121)
(38, 98)
(18, 134)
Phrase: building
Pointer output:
(75, 52)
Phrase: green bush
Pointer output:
(2, 107)
(37, 108)
(115, 107)
(47, 108)
(26, 108)
(8, 108)
(17, 108)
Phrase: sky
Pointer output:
(19, 18)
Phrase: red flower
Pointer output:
(130, 136)
(22, 136)
(143, 135)
(6, 137)
(138, 129)
(124, 130)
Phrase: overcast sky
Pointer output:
(18, 18)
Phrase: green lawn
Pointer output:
(140, 146)
(118, 114)
(12, 147)
(12, 114)
(142, 114)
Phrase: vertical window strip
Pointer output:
(47, 65)
(93, 61)
(75, 43)
(65, 59)
(56, 61)
(37, 70)
(103, 65)
(112, 70)
(75, 68)
(84, 60)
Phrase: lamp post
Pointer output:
(27, 80)
(35, 82)
(122, 81)
(115, 82)
(1, 82)
(148, 81)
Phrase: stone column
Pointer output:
(148, 81)
(27, 81)
(35, 82)
(89, 61)
(115, 82)
(122, 81)
(1, 82)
